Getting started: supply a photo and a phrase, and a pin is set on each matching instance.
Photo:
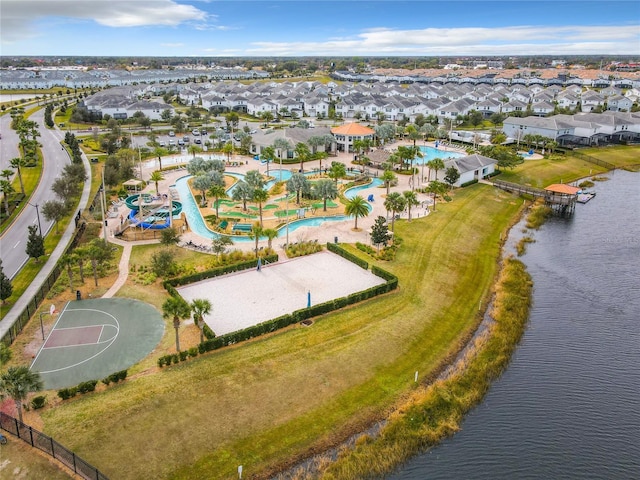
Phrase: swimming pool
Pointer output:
(197, 225)
(429, 153)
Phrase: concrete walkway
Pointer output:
(123, 266)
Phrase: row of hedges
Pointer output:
(90, 386)
(216, 272)
(177, 357)
(289, 319)
(338, 250)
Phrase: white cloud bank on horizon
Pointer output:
(516, 40)
(18, 16)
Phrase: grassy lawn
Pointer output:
(567, 168)
(264, 402)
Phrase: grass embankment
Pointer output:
(436, 411)
(266, 403)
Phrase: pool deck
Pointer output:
(327, 232)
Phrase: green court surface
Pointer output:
(93, 338)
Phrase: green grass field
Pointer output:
(262, 403)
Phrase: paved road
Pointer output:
(14, 239)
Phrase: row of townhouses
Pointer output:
(99, 78)
(391, 101)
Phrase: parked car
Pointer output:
(197, 140)
(195, 132)
(204, 131)
(162, 144)
(185, 139)
(172, 133)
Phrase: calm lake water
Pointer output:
(568, 406)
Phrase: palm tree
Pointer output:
(193, 149)
(411, 199)
(200, 307)
(394, 203)
(159, 152)
(337, 170)
(357, 207)
(17, 383)
(156, 177)
(435, 164)
(269, 155)
(6, 188)
(18, 163)
(256, 232)
(178, 309)
(298, 183)
(302, 153)
(217, 192)
(260, 196)
(326, 189)
(388, 177)
(270, 233)
(228, 150)
(436, 188)
(68, 261)
(242, 192)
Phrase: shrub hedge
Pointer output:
(215, 272)
(294, 317)
(338, 250)
(470, 182)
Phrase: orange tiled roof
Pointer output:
(562, 188)
(354, 129)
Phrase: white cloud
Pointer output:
(519, 40)
(19, 16)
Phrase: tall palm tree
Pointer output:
(357, 207)
(18, 163)
(199, 308)
(394, 203)
(269, 155)
(260, 196)
(156, 177)
(228, 150)
(159, 152)
(411, 200)
(435, 165)
(302, 153)
(177, 309)
(17, 383)
(256, 232)
(6, 188)
(388, 177)
(217, 192)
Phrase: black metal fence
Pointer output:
(594, 160)
(41, 294)
(48, 445)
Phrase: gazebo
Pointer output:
(561, 197)
(133, 184)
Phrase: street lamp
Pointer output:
(38, 215)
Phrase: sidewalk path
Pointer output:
(123, 266)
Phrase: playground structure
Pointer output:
(152, 212)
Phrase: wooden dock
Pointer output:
(561, 198)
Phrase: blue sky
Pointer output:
(307, 27)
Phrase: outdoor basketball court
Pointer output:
(247, 298)
(93, 338)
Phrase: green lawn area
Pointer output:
(263, 402)
(568, 168)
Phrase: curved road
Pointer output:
(13, 241)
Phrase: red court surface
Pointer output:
(67, 337)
